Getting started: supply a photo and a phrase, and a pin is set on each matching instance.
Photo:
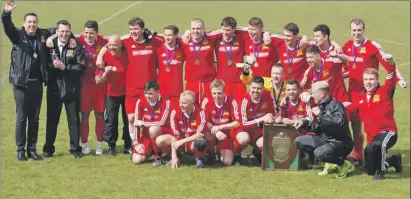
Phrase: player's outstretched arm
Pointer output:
(8, 25)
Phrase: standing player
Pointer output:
(114, 75)
(92, 95)
(230, 51)
(256, 109)
(171, 58)
(200, 70)
(142, 62)
(364, 54)
(294, 108)
(377, 111)
(188, 125)
(151, 115)
(262, 56)
(274, 85)
(222, 116)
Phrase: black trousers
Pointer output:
(112, 107)
(329, 152)
(376, 152)
(28, 106)
(54, 106)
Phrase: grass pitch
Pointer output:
(105, 177)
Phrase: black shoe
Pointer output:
(47, 155)
(397, 162)
(34, 155)
(257, 155)
(379, 175)
(237, 160)
(77, 155)
(21, 156)
(111, 151)
(211, 158)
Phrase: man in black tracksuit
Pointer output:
(332, 142)
(66, 67)
(28, 73)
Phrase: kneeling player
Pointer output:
(188, 128)
(256, 109)
(151, 115)
(377, 112)
(222, 117)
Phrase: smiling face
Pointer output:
(370, 82)
(90, 35)
(357, 32)
(186, 103)
(290, 38)
(228, 32)
(136, 32)
(277, 74)
(320, 38)
(292, 91)
(313, 59)
(197, 30)
(63, 32)
(151, 95)
(256, 90)
(30, 24)
(169, 37)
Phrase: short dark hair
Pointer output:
(313, 49)
(258, 80)
(151, 85)
(358, 22)
(229, 21)
(63, 22)
(256, 21)
(30, 14)
(173, 28)
(325, 30)
(292, 27)
(293, 82)
(136, 21)
(91, 24)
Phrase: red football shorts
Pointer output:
(200, 89)
(235, 90)
(226, 144)
(145, 141)
(92, 98)
(254, 134)
(131, 100)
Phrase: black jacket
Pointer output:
(66, 83)
(22, 52)
(331, 123)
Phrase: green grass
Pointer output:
(104, 177)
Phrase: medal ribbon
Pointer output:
(33, 45)
(170, 59)
(153, 112)
(297, 106)
(228, 53)
(290, 61)
(354, 56)
(186, 122)
(258, 49)
(317, 75)
(277, 98)
(91, 52)
(219, 117)
(197, 52)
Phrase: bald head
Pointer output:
(197, 29)
(114, 45)
(320, 91)
(187, 101)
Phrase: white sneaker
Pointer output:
(99, 148)
(86, 149)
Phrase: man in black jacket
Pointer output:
(28, 71)
(64, 88)
(332, 142)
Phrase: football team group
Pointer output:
(236, 81)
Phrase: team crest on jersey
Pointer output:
(205, 42)
(145, 109)
(178, 55)
(226, 113)
(265, 47)
(264, 106)
(133, 46)
(158, 111)
(325, 73)
(193, 123)
(148, 46)
(363, 50)
(299, 52)
(301, 109)
(376, 98)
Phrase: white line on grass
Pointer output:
(119, 12)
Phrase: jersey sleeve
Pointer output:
(307, 78)
(308, 109)
(139, 111)
(173, 122)
(214, 35)
(390, 81)
(241, 34)
(164, 112)
(244, 119)
(283, 112)
(235, 116)
(276, 40)
(379, 54)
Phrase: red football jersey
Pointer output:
(116, 80)
(142, 64)
(332, 73)
(250, 110)
(367, 55)
(201, 53)
(297, 111)
(266, 55)
(153, 114)
(183, 125)
(229, 53)
(377, 110)
(90, 53)
(293, 61)
(224, 114)
(170, 69)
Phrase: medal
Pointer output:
(290, 60)
(114, 68)
(354, 56)
(197, 52)
(256, 53)
(34, 46)
(90, 52)
(228, 52)
(35, 55)
(318, 75)
(256, 64)
(170, 59)
(167, 69)
(277, 97)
